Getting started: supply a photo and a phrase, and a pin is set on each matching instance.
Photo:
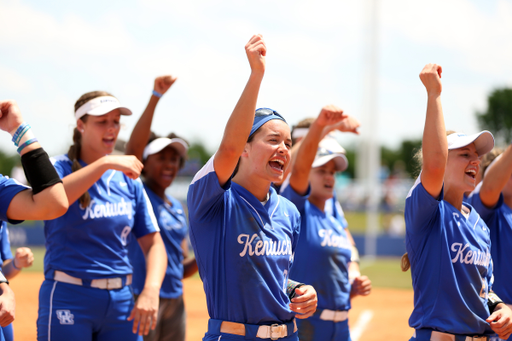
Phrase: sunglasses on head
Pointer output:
(267, 112)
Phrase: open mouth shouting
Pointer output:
(471, 173)
(277, 164)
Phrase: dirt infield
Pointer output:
(381, 316)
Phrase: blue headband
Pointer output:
(262, 116)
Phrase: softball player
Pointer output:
(447, 243)
(86, 293)
(46, 200)
(12, 265)
(162, 158)
(492, 199)
(324, 250)
(243, 233)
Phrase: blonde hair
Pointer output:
(75, 148)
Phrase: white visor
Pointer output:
(299, 132)
(329, 149)
(100, 106)
(157, 145)
(484, 141)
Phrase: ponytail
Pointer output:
(74, 155)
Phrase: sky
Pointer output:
(51, 52)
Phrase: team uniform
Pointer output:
(244, 250)
(451, 267)
(173, 229)
(321, 260)
(499, 221)
(8, 189)
(86, 265)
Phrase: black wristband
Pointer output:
(39, 170)
(291, 286)
(492, 301)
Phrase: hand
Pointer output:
(128, 164)
(10, 116)
(431, 78)
(23, 258)
(305, 301)
(7, 305)
(145, 312)
(256, 52)
(163, 83)
(330, 115)
(361, 286)
(501, 321)
(348, 125)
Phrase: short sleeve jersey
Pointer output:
(244, 249)
(499, 221)
(451, 265)
(173, 229)
(90, 242)
(5, 246)
(8, 189)
(322, 255)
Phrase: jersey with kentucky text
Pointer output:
(499, 221)
(244, 249)
(173, 229)
(8, 189)
(322, 255)
(451, 265)
(90, 242)
(5, 246)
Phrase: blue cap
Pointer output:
(262, 116)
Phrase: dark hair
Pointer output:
(75, 148)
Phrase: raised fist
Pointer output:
(163, 83)
(10, 116)
(431, 78)
(256, 52)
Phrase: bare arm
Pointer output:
(496, 178)
(434, 145)
(240, 122)
(140, 134)
(299, 178)
(189, 262)
(80, 181)
(146, 308)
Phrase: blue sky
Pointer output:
(52, 52)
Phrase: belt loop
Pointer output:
(251, 330)
(86, 283)
(214, 326)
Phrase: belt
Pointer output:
(103, 283)
(334, 315)
(273, 332)
(440, 336)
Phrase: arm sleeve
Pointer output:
(8, 189)
(420, 208)
(144, 219)
(205, 195)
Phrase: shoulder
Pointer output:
(60, 159)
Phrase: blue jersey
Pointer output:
(8, 189)
(173, 229)
(499, 221)
(5, 246)
(451, 265)
(90, 242)
(244, 250)
(322, 255)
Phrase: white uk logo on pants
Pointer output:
(65, 317)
